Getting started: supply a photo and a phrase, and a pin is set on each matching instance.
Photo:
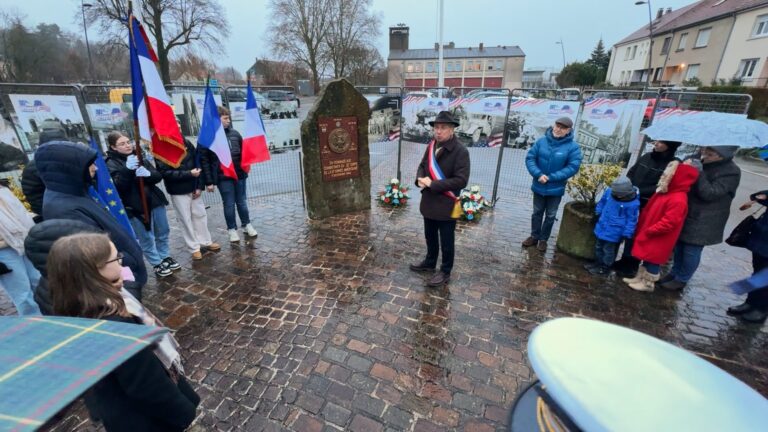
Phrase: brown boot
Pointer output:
(530, 241)
(541, 246)
(439, 279)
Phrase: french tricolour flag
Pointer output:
(255, 140)
(213, 137)
(151, 107)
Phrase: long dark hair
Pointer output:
(77, 287)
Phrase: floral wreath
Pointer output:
(394, 194)
(473, 204)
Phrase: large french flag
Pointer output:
(213, 137)
(152, 109)
(255, 140)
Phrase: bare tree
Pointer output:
(172, 23)
(191, 66)
(364, 64)
(298, 30)
(352, 28)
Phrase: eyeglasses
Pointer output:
(119, 259)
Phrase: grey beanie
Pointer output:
(622, 187)
(726, 152)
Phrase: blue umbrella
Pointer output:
(709, 129)
(47, 362)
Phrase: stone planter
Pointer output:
(576, 236)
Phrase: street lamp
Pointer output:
(650, 35)
(562, 48)
(87, 44)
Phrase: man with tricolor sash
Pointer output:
(442, 174)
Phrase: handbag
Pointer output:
(740, 235)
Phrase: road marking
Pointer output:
(754, 173)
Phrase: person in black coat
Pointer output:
(126, 172)
(31, 183)
(148, 392)
(436, 206)
(37, 245)
(755, 307)
(184, 185)
(645, 175)
(233, 191)
(67, 169)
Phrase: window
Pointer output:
(489, 65)
(693, 71)
(449, 66)
(409, 67)
(468, 66)
(665, 47)
(498, 65)
(621, 77)
(747, 68)
(419, 66)
(761, 26)
(430, 67)
(634, 52)
(626, 54)
(457, 66)
(683, 40)
(703, 38)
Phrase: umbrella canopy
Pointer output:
(47, 362)
(708, 129)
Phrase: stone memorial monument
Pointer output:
(334, 141)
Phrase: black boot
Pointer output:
(754, 316)
(739, 309)
(626, 266)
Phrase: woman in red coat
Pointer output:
(660, 223)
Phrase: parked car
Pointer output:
(282, 95)
(604, 95)
(421, 94)
(663, 104)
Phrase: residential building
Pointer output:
(481, 66)
(710, 40)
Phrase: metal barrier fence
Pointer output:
(497, 134)
(95, 110)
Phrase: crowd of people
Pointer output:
(71, 257)
(664, 208)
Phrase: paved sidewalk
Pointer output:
(319, 325)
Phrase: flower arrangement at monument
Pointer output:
(394, 194)
(472, 203)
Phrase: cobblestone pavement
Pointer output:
(320, 326)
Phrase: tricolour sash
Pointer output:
(437, 174)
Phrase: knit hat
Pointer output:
(622, 188)
(696, 163)
(726, 152)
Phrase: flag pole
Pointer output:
(136, 135)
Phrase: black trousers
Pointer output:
(758, 299)
(440, 235)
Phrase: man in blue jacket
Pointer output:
(552, 160)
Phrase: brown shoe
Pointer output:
(197, 256)
(439, 279)
(542, 246)
(530, 241)
(212, 247)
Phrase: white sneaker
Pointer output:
(233, 237)
(251, 231)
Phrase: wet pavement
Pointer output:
(320, 326)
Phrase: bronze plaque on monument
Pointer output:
(338, 148)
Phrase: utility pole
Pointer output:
(440, 73)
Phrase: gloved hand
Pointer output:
(132, 162)
(142, 172)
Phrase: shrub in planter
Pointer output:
(578, 223)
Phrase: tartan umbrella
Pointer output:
(47, 362)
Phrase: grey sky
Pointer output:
(534, 25)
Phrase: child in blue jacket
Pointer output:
(617, 210)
